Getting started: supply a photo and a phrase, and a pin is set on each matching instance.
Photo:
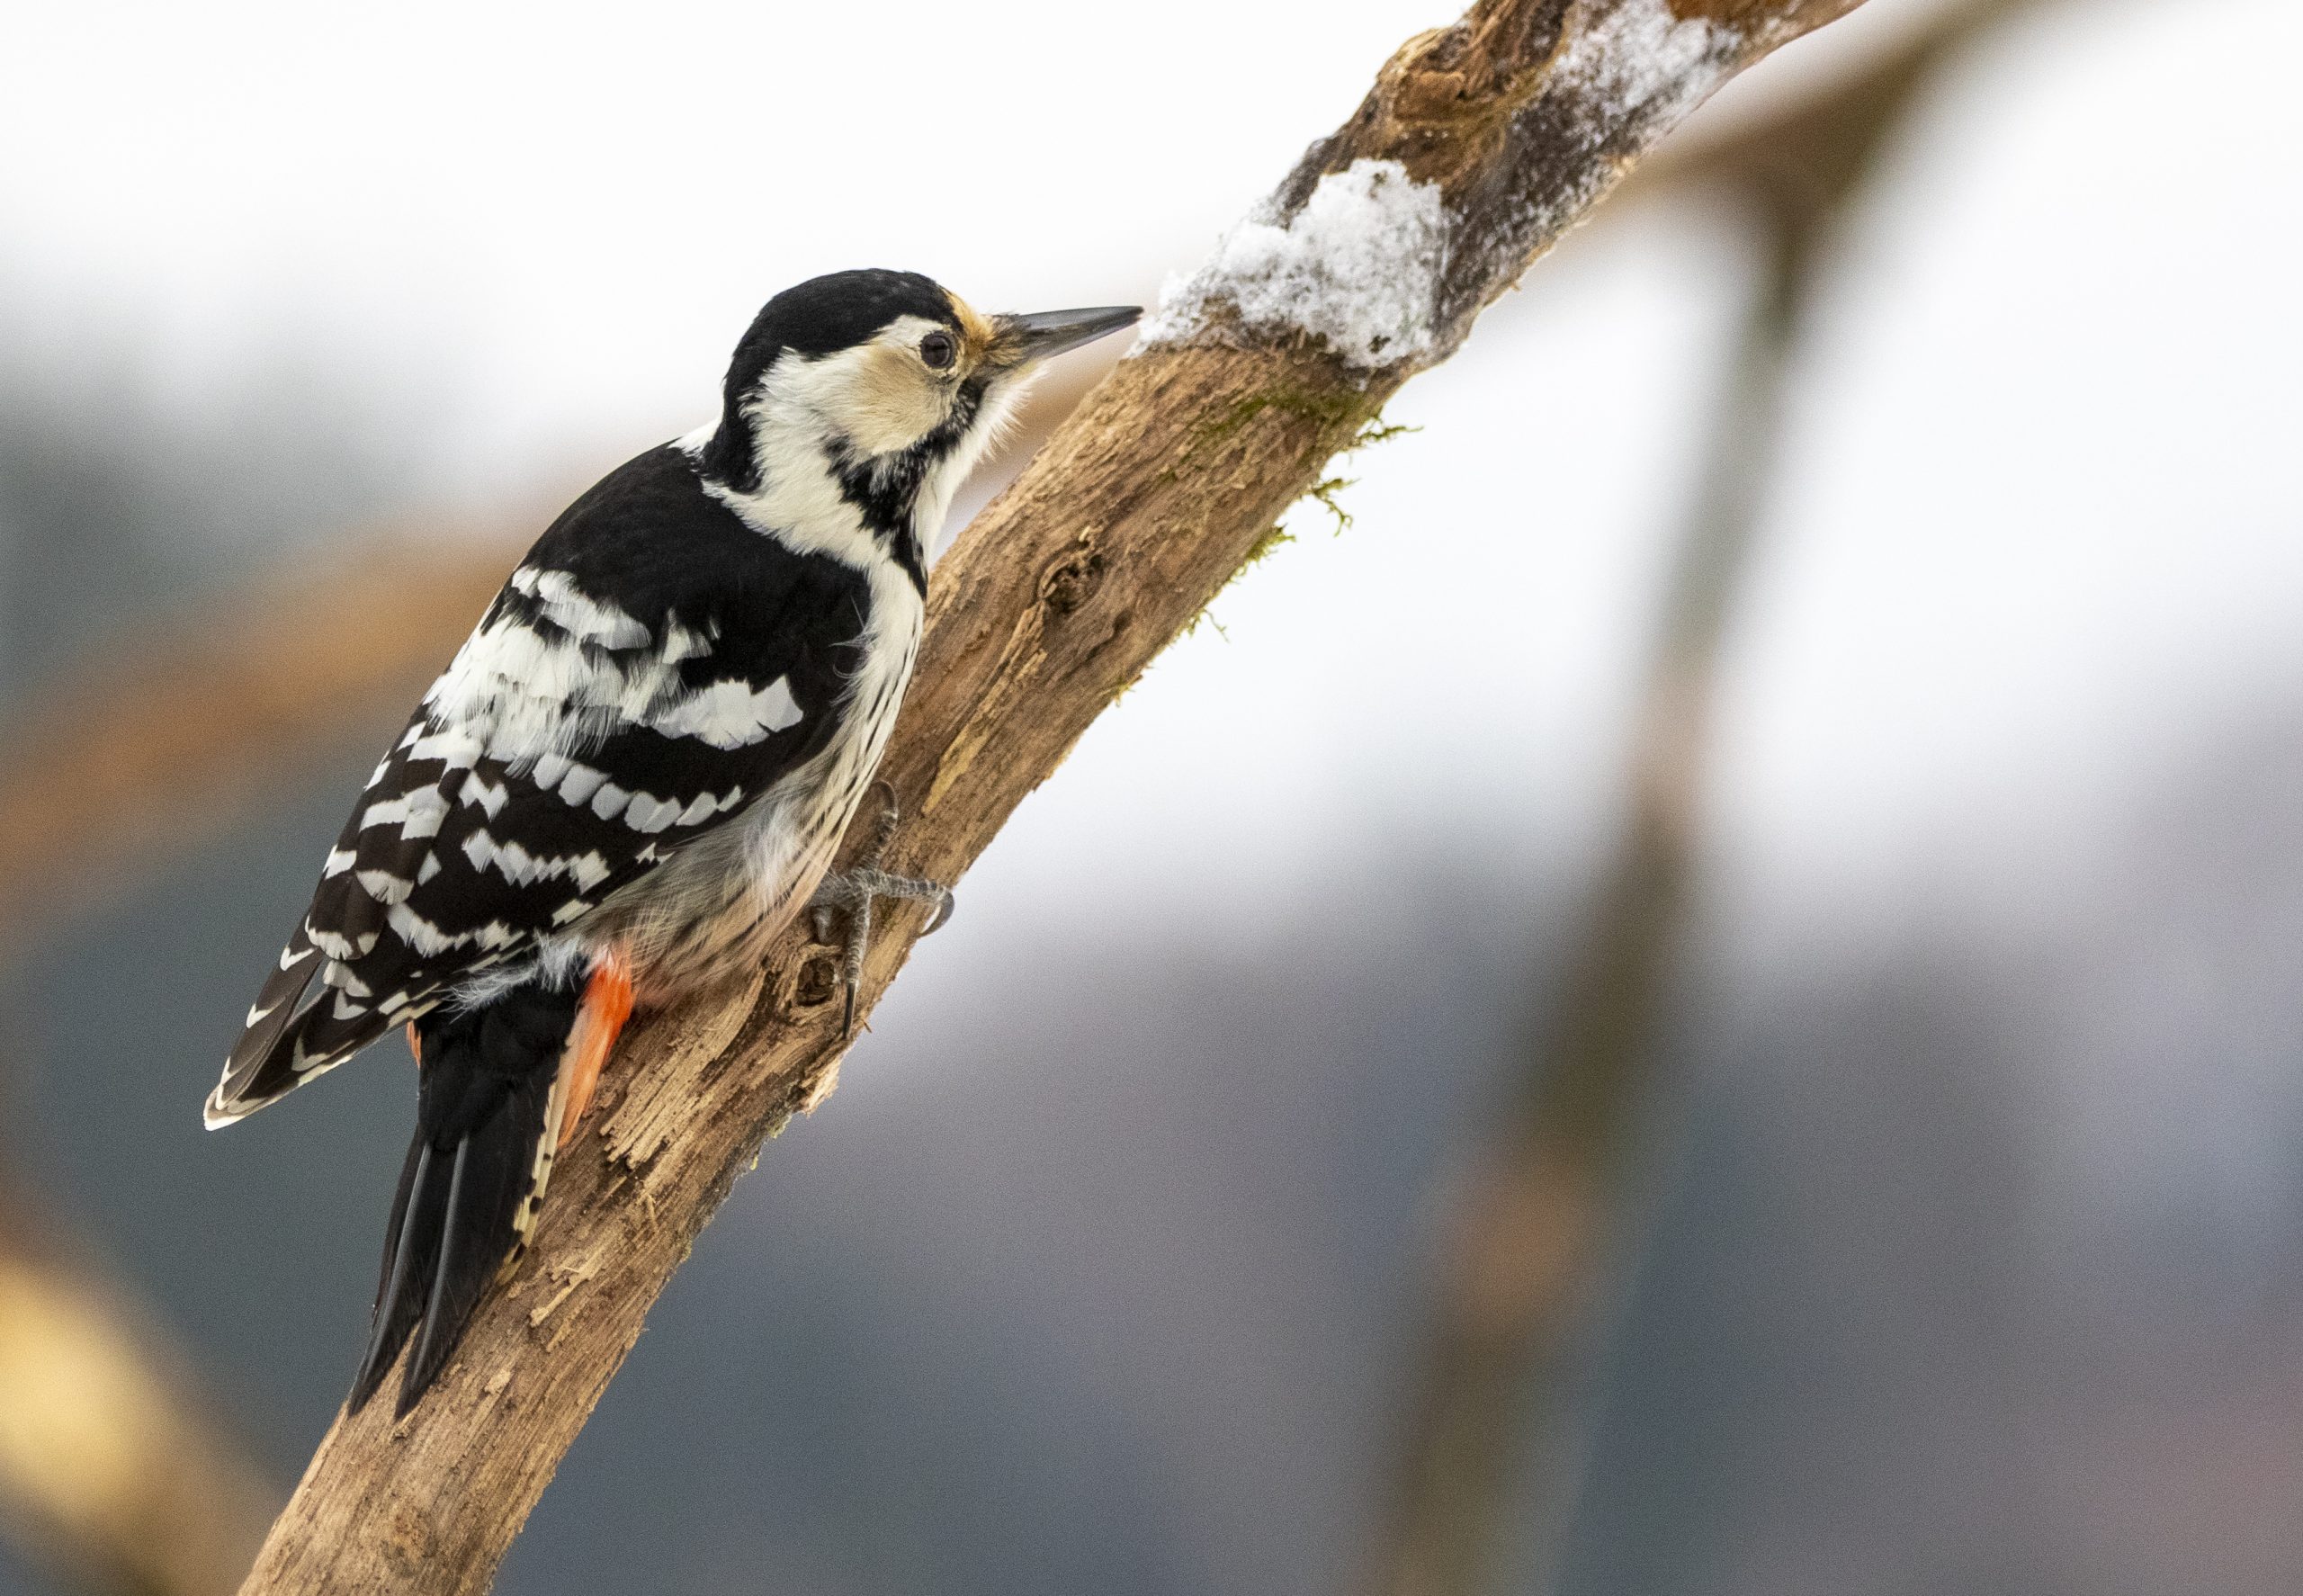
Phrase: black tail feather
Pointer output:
(484, 1126)
(399, 1294)
(484, 1199)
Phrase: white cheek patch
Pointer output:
(893, 406)
(877, 395)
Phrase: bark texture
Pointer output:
(1115, 539)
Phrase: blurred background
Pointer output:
(1855, 828)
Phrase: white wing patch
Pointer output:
(647, 814)
(342, 978)
(338, 946)
(383, 886)
(729, 714)
(553, 674)
(516, 696)
(680, 643)
(489, 795)
(577, 613)
(419, 813)
(430, 941)
(518, 866)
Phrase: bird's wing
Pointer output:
(572, 748)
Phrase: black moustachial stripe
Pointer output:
(885, 488)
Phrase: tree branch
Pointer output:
(1506, 127)
(1526, 1255)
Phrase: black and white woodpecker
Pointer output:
(636, 770)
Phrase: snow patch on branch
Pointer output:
(1638, 63)
(1357, 267)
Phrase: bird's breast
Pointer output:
(716, 908)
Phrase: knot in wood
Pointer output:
(1445, 96)
(817, 984)
(1431, 96)
(1068, 582)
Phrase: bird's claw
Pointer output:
(853, 890)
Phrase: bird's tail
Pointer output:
(501, 1086)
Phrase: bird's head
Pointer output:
(882, 388)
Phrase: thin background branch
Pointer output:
(1529, 1251)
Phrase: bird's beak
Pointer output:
(1024, 339)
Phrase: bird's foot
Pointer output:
(852, 891)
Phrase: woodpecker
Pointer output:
(636, 770)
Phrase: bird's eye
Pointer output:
(938, 351)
